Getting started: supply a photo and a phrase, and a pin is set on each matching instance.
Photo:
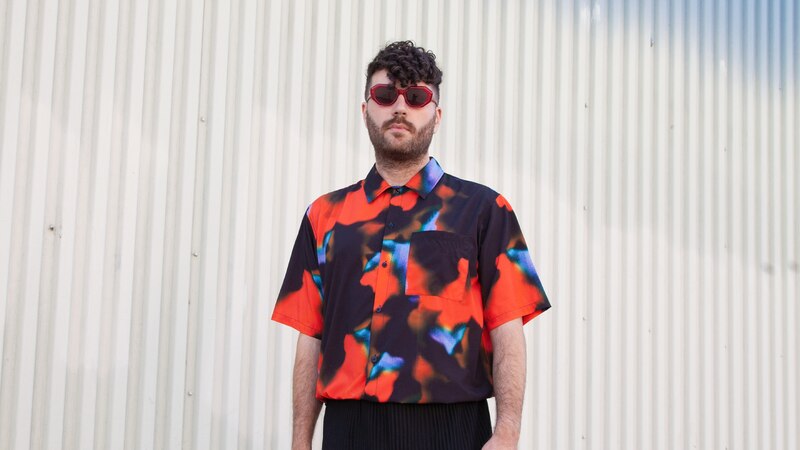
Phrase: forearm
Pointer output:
(508, 343)
(306, 407)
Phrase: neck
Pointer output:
(397, 173)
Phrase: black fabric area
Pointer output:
(342, 285)
(397, 338)
(448, 367)
(297, 263)
(294, 277)
(437, 253)
(341, 318)
(396, 219)
(369, 425)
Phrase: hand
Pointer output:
(498, 443)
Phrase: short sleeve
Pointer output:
(299, 302)
(510, 285)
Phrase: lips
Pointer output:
(398, 126)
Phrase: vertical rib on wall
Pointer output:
(156, 157)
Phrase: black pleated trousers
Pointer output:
(363, 425)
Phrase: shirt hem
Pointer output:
(527, 312)
(297, 325)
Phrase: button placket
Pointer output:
(381, 289)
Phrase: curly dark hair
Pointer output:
(406, 63)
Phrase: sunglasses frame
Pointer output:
(402, 91)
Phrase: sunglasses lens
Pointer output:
(417, 96)
(384, 95)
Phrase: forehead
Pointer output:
(382, 77)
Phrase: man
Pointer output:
(409, 289)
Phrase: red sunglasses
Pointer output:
(387, 94)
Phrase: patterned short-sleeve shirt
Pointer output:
(403, 284)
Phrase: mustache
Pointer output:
(398, 121)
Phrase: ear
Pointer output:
(438, 119)
(364, 112)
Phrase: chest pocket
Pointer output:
(438, 264)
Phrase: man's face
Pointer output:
(399, 132)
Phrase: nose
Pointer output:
(400, 107)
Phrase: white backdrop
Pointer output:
(156, 158)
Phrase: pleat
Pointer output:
(364, 425)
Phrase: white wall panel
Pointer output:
(156, 158)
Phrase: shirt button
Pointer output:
(390, 224)
(378, 309)
(374, 359)
(396, 191)
(384, 264)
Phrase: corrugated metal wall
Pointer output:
(156, 158)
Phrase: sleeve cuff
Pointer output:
(297, 325)
(527, 312)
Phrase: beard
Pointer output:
(402, 153)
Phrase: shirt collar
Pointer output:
(422, 183)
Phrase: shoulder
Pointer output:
(486, 196)
(325, 204)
